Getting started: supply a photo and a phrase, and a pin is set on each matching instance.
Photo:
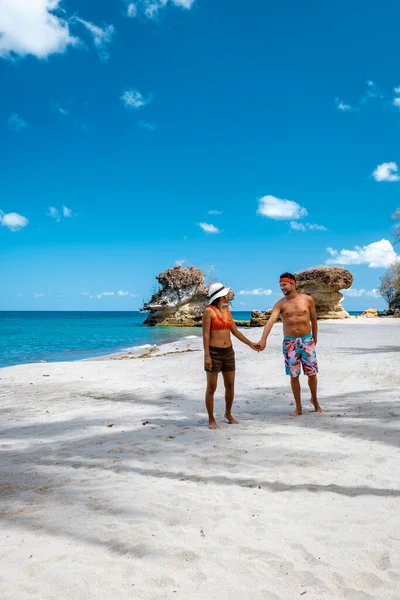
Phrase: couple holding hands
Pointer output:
(300, 330)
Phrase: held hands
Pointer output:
(258, 347)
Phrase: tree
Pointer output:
(390, 285)
(210, 272)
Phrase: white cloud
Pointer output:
(151, 8)
(183, 3)
(15, 121)
(374, 293)
(297, 226)
(41, 28)
(307, 226)
(131, 10)
(355, 293)
(61, 110)
(101, 36)
(372, 92)
(134, 99)
(67, 212)
(315, 227)
(256, 292)
(53, 212)
(33, 27)
(38, 295)
(119, 294)
(13, 221)
(275, 208)
(396, 99)
(342, 106)
(214, 212)
(386, 172)
(209, 228)
(151, 126)
(375, 255)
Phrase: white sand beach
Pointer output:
(113, 487)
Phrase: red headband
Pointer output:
(287, 280)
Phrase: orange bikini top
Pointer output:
(218, 324)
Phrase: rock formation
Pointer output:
(181, 299)
(259, 318)
(323, 284)
(370, 313)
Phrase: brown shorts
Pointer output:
(223, 359)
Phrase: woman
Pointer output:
(219, 355)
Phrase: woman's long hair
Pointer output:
(215, 302)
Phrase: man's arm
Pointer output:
(206, 338)
(276, 311)
(235, 331)
(313, 319)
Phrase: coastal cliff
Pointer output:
(181, 299)
(323, 284)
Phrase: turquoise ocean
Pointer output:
(27, 337)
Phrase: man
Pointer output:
(297, 311)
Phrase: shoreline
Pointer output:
(137, 349)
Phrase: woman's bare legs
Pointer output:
(229, 382)
(212, 379)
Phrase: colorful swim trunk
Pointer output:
(300, 351)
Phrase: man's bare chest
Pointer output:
(291, 310)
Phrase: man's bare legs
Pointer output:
(229, 382)
(312, 384)
(295, 383)
(212, 379)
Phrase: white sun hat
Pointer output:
(217, 290)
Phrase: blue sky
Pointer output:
(244, 138)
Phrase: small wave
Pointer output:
(191, 337)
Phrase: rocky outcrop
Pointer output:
(181, 299)
(259, 318)
(370, 313)
(323, 284)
